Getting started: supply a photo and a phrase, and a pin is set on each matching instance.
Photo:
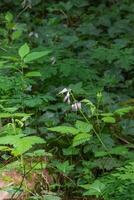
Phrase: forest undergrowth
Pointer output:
(67, 100)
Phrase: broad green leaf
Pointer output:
(10, 115)
(9, 17)
(109, 119)
(10, 139)
(9, 109)
(70, 151)
(33, 74)
(83, 126)
(20, 143)
(107, 114)
(94, 189)
(16, 34)
(36, 55)
(64, 130)
(38, 153)
(24, 50)
(4, 148)
(64, 167)
(124, 110)
(24, 144)
(119, 150)
(81, 138)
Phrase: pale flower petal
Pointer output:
(63, 91)
(76, 106)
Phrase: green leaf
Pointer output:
(33, 74)
(51, 197)
(119, 150)
(36, 55)
(81, 139)
(64, 130)
(64, 167)
(4, 148)
(24, 50)
(20, 143)
(16, 34)
(9, 17)
(109, 119)
(95, 189)
(125, 110)
(83, 126)
(11, 115)
(10, 139)
(70, 151)
(25, 144)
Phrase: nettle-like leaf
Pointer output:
(77, 88)
(94, 189)
(80, 127)
(20, 143)
(14, 115)
(36, 55)
(109, 119)
(81, 138)
(70, 151)
(33, 101)
(64, 130)
(33, 74)
(83, 126)
(24, 50)
(124, 110)
(25, 144)
(119, 150)
(64, 167)
(8, 17)
(106, 163)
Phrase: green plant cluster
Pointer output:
(67, 98)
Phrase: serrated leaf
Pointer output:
(70, 151)
(33, 74)
(64, 167)
(109, 119)
(10, 139)
(20, 143)
(83, 126)
(9, 17)
(81, 139)
(36, 55)
(25, 144)
(119, 150)
(95, 188)
(24, 50)
(64, 130)
(125, 110)
(10, 115)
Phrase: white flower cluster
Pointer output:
(67, 98)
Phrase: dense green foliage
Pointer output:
(67, 98)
